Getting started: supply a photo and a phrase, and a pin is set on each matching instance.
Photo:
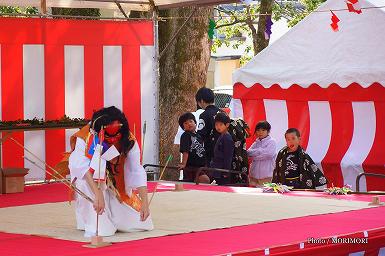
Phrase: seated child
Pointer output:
(223, 149)
(192, 149)
(262, 153)
(296, 168)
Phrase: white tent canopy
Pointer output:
(127, 5)
(311, 52)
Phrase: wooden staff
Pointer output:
(160, 177)
(101, 135)
(143, 137)
(65, 181)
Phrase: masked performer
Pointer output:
(118, 206)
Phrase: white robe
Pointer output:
(117, 216)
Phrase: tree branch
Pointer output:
(287, 15)
(230, 24)
(226, 11)
(233, 15)
(250, 24)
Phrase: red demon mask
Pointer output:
(112, 132)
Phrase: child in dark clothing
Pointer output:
(192, 149)
(205, 99)
(296, 168)
(223, 149)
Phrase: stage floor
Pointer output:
(191, 222)
(177, 213)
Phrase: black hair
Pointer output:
(264, 125)
(186, 116)
(108, 115)
(293, 130)
(205, 94)
(222, 118)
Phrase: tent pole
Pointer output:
(157, 75)
(43, 7)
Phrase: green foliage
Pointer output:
(76, 11)
(232, 25)
(55, 11)
(35, 122)
(18, 10)
(295, 15)
(244, 59)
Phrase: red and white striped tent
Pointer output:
(50, 68)
(329, 85)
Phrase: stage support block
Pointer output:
(12, 180)
(97, 242)
(179, 187)
(376, 200)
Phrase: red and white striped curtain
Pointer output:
(50, 68)
(343, 129)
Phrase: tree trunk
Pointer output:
(183, 70)
(260, 43)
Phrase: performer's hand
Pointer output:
(144, 212)
(99, 203)
(181, 167)
(114, 160)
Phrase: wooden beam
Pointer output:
(195, 3)
(43, 6)
(140, 5)
(119, 1)
(121, 9)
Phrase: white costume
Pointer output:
(117, 216)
